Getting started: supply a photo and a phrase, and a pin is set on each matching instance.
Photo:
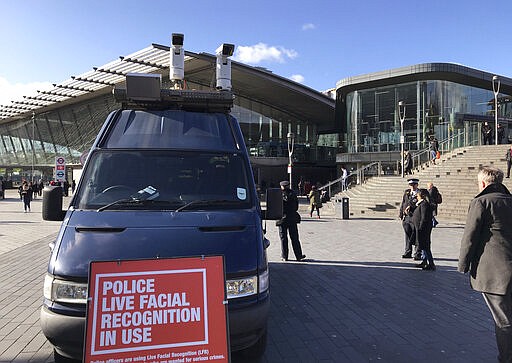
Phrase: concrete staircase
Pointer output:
(455, 175)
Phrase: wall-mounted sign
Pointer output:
(160, 311)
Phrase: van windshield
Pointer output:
(170, 129)
(164, 180)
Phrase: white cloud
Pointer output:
(299, 78)
(261, 52)
(15, 91)
(308, 26)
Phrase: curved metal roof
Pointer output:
(425, 71)
(274, 96)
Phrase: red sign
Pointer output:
(160, 311)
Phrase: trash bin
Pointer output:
(344, 208)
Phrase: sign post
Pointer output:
(60, 169)
(160, 311)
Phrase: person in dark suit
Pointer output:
(288, 224)
(508, 157)
(422, 221)
(407, 207)
(486, 133)
(486, 253)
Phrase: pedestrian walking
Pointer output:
(508, 157)
(315, 201)
(288, 224)
(435, 199)
(501, 134)
(486, 253)
(26, 196)
(422, 221)
(407, 162)
(41, 187)
(344, 176)
(434, 149)
(407, 207)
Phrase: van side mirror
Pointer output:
(52, 204)
(274, 204)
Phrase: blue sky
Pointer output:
(316, 43)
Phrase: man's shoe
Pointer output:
(429, 268)
(301, 258)
(407, 255)
(418, 258)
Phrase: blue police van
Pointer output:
(167, 176)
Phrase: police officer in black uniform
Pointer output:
(407, 207)
(288, 224)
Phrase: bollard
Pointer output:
(345, 208)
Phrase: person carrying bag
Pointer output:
(315, 201)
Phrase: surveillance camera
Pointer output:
(226, 50)
(177, 39)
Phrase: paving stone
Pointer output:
(354, 300)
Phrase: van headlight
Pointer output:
(64, 291)
(247, 286)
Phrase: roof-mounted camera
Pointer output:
(223, 52)
(177, 66)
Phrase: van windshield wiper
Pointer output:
(206, 202)
(148, 194)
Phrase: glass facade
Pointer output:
(29, 146)
(433, 107)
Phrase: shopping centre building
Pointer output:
(364, 124)
(447, 101)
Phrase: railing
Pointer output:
(356, 177)
(423, 156)
(362, 174)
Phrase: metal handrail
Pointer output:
(361, 174)
(445, 145)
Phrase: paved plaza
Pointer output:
(353, 300)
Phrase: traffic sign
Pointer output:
(60, 168)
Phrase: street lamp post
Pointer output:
(401, 115)
(496, 89)
(33, 145)
(291, 140)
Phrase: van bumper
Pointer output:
(66, 333)
(248, 322)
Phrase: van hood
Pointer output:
(125, 235)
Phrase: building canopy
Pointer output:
(276, 97)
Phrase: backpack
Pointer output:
(439, 198)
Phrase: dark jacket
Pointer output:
(433, 194)
(408, 200)
(508, 155)
(422, 220)
(290, 207)
(486, 246)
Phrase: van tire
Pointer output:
(58, 358)
(257, 349)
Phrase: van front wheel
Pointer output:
(256, 350)
(62, 359)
